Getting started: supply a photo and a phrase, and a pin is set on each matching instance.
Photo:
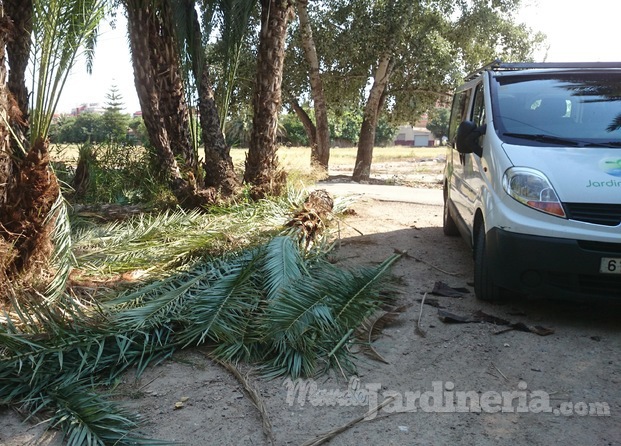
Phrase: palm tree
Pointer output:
(18, 49)
(219, 170)
(6, 165)
(161, 92)
(31, 207)
(262, 162)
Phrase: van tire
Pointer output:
(448, 224)
(484, 286)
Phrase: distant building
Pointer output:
(93, 107)
(408, 135)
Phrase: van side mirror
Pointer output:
(467, 138)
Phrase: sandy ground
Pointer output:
(479, 383)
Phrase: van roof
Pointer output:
(498, 66)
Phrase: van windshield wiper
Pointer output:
(544, 138)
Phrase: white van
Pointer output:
(533, 178)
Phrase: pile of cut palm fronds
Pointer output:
(291, 314)
(274, 304)
(158, 243)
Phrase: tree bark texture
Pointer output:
(31, 195)
(364, 155)
(20, 14)
(320, 152)
(219, 168)
(28, 187)
(160, 89)
(6, 164)
(18, 49)
(262, 161)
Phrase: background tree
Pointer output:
(438, 121)
(320, 143)
(115, 122)
(193, 43)
(401, 67)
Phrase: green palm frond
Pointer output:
(218, 311)
(172, 238)
(61, 28)
(235, 17)
(88, 419)
(283, 265)
(361, 297)
(63, 258)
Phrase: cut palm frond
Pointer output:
(220, 310)
(62, 259)
(283, 265)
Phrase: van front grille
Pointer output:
(613, 248)
(602, 285)
(599, 214)
(606, 286)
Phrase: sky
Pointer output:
(577, 30)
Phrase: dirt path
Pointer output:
(579, 363)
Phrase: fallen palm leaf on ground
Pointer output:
(480, 316)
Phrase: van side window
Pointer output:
(478, 109)
(459, 113)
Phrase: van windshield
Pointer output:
(564, 109)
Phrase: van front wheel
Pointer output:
(484, 287)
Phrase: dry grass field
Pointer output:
(388, 162)
(298, 158)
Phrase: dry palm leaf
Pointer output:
(372, 327)
(310, 220)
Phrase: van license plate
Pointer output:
(610, 265)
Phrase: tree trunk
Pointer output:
(307, 122)
(160, 89)
(219, 169)
(6, 165)
(364, 156)
(30, 199)
(18, 50)
(29, 188)
(320, 153)
(262, 161)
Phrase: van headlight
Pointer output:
(531, 188)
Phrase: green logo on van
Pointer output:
(612, 166)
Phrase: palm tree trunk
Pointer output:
(364, 156)
(219, 168)
(160, 89)
(30, 199)
(320, 152)
(18, 49)
(262, 161)
(29, 188)
(6, 165)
